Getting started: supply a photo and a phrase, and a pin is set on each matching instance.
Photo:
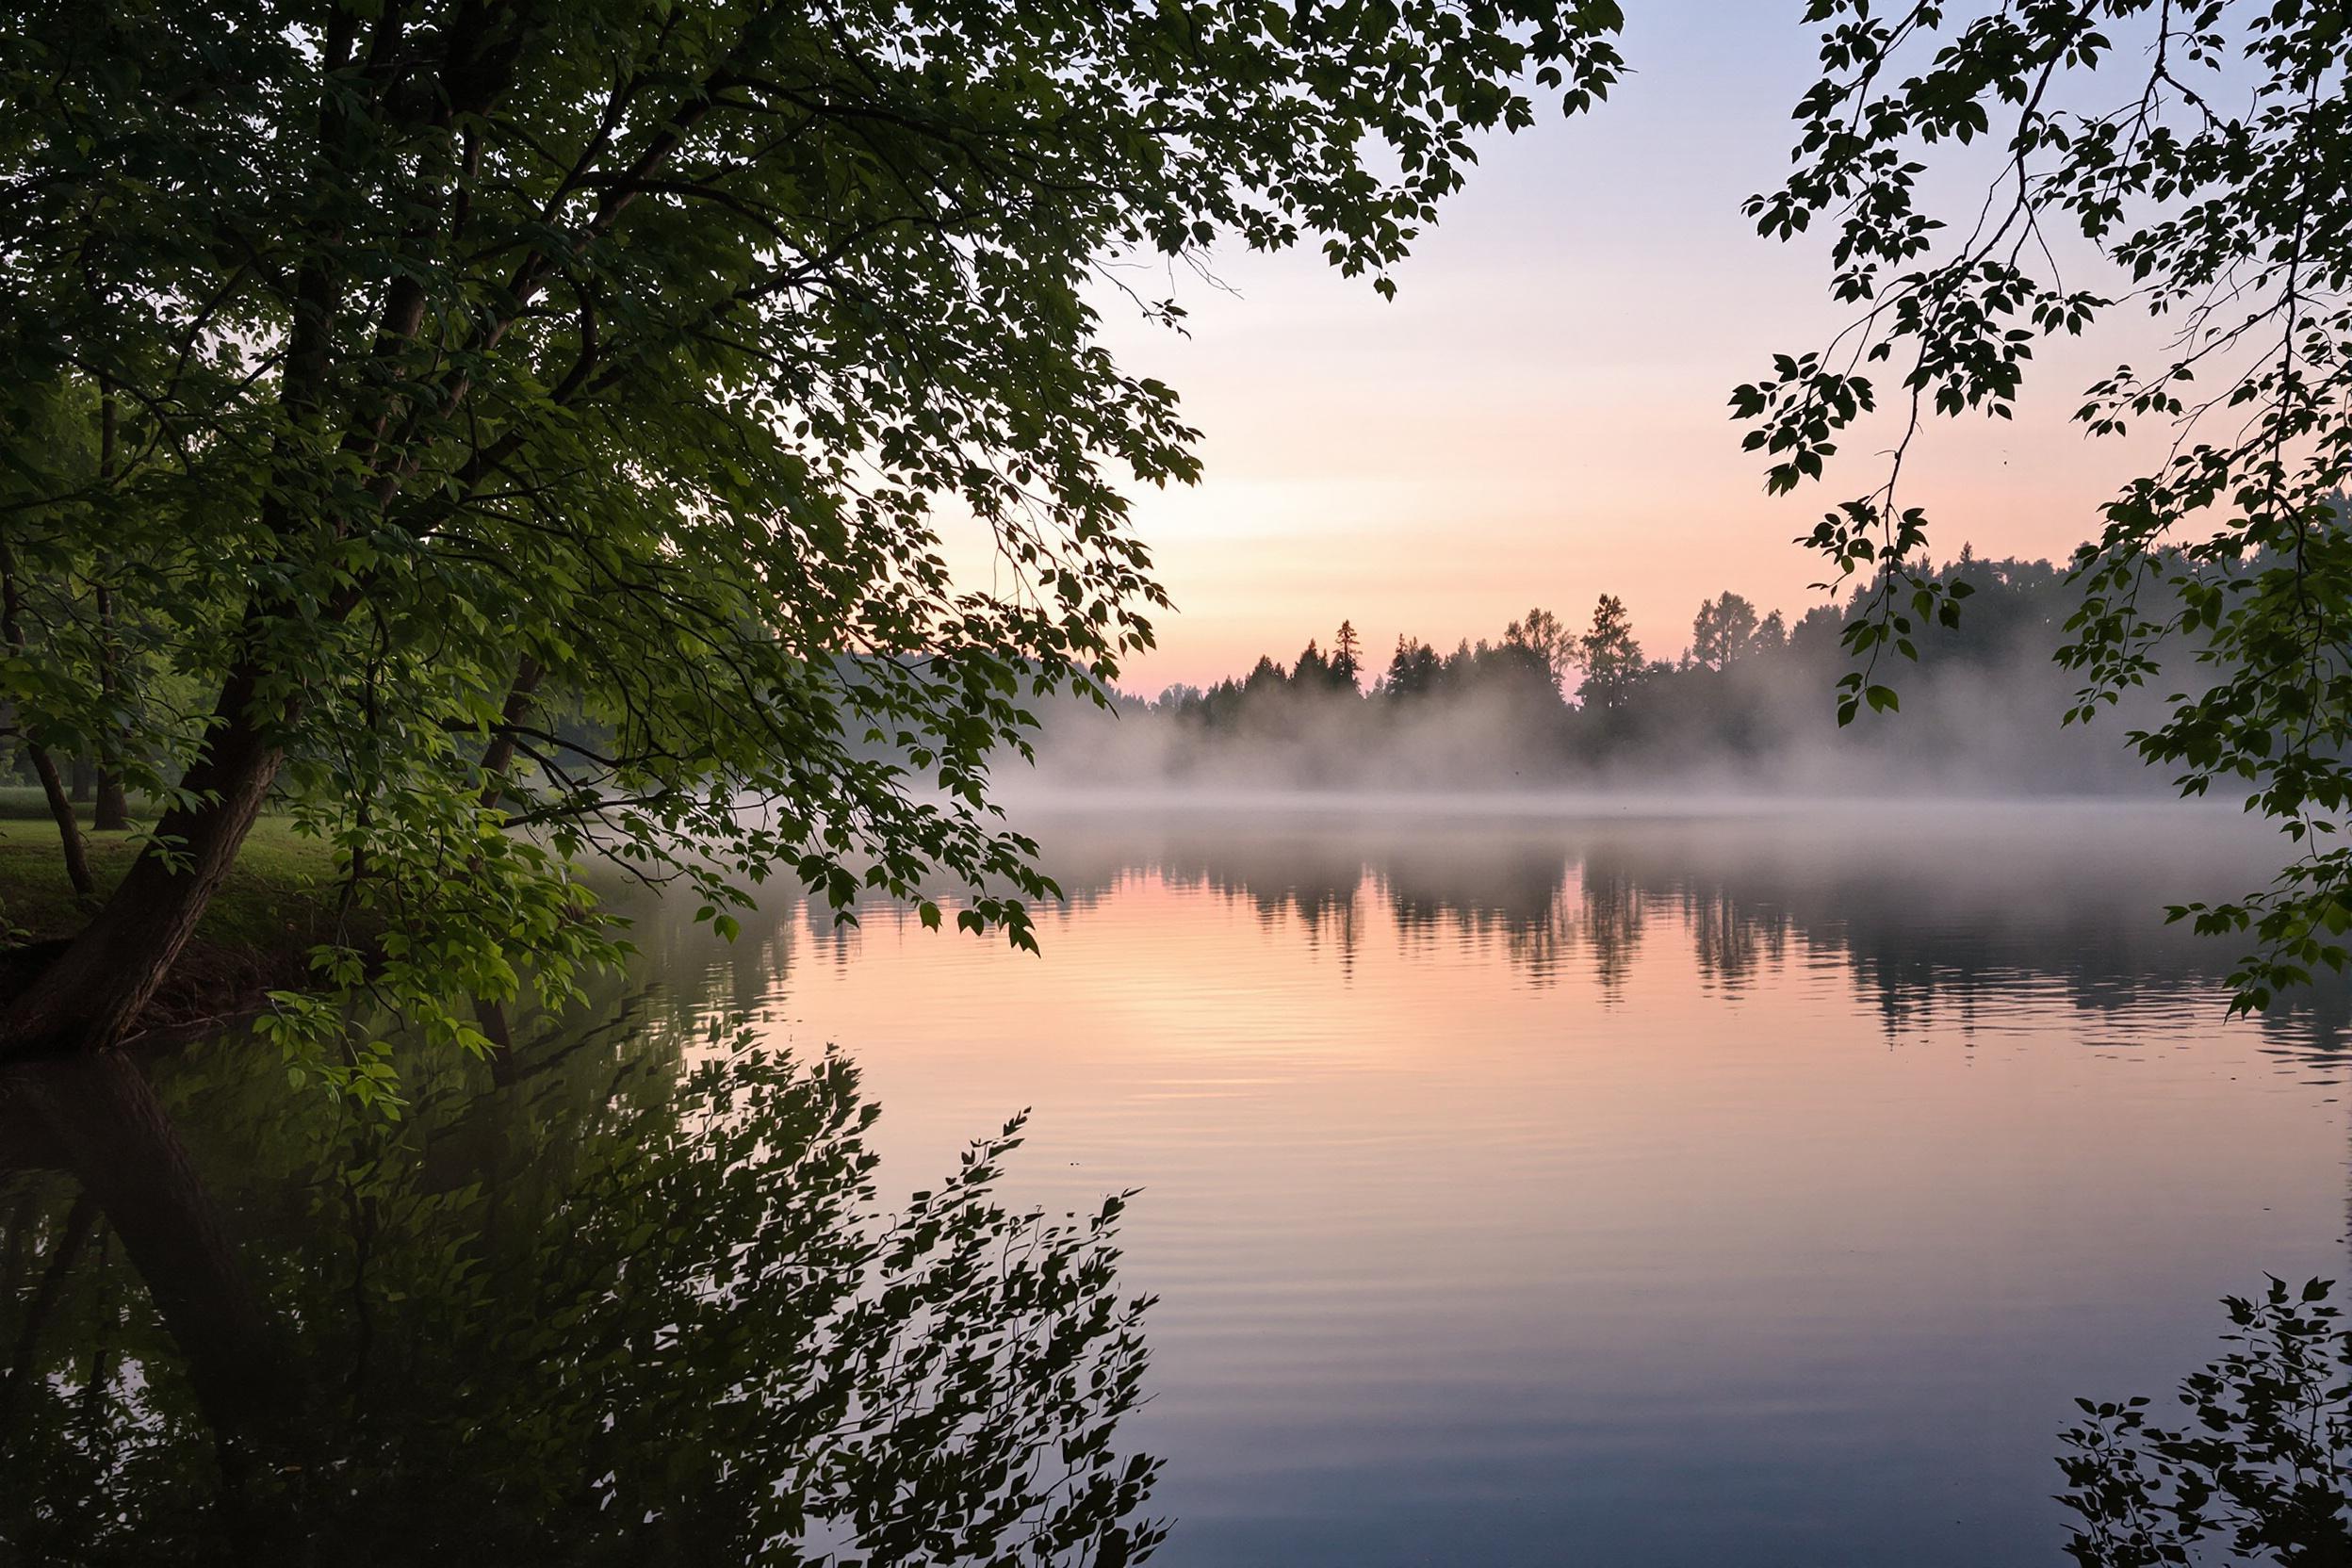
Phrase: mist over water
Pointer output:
(1742, 714)
(1984, 732)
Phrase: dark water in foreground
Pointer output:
(1748, 1189)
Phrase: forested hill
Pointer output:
(1748, 701)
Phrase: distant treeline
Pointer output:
(1750, 700)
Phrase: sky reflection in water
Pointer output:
(1752, 1189)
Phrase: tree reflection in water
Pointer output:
(638, 1306)
(1982, 902)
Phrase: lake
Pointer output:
(1517, 1186)
(1518, 1189)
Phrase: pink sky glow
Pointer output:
(1540, 416)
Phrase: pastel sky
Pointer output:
(1540, 416)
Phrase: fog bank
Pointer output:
(1751, 711)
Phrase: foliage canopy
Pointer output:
(536, 429)
(2197, 150)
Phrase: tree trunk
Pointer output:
(85, 779)
(113, 811)
(499, 754)
(496, 759)
(491, 1014)
(87, 998)
(45, 766)
(61, 813)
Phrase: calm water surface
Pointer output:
(1523, 1189)
(1619, 1188)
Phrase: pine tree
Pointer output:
(1347, 656)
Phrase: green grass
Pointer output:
(273, 901)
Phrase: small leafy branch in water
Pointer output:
(2258, 1476)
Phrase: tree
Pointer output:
(1266, 676)
(1613, 658)
(2211, 176)
(1724, 632)
(1414, 670)
(536, 418)
(1552, 642)
(1312, 670)
(1346, 657)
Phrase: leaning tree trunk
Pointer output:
(87, 998)
(61, 813)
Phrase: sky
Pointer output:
(1541, 417)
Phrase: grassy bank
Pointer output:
(276, 903)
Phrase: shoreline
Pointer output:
(256, 936)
